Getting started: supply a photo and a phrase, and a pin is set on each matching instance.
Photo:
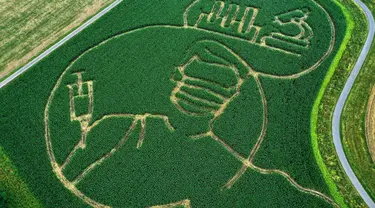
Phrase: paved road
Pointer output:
(58, 44)
(340, 104)
(336, 115)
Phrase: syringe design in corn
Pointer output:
(81, 96)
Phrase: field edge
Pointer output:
(314, 114)
(16, 189)
(354, 112)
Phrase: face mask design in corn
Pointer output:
(189, 99)
(207, 83)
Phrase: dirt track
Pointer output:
(370, 124)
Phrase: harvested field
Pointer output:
(28, 27)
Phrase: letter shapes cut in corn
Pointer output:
(232, 19)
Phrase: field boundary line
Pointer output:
(58, 44)
(314, 114)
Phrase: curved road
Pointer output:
(341, 102)
(338, 108)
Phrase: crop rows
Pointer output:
(168, 122)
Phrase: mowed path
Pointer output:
(341, 102)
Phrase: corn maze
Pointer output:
(188, 112)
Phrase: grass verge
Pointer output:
(354, 120)
(17, 192)
(339, 185)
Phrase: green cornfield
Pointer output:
(186, 103)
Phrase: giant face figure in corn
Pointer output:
(197, 86)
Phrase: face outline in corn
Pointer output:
(193, 92)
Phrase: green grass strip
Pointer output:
(16, 190)
(314, 115)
